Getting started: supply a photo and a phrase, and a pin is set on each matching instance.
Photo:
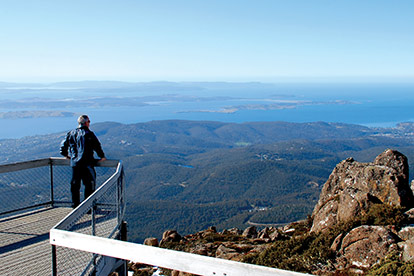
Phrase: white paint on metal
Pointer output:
(176, 260)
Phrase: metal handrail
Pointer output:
(108, 252)
(89, 202)
(90, 205)
(20, 166)
(160, 257)
(45, 162)
(28, 180)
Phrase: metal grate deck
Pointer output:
(24, 241)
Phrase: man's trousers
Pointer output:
(87, 175)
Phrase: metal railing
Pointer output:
(70, 235)
(165, 258)
(100, 215)
(91, 239)
(45, 183)
(42, 182)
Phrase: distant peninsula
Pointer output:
(34, 114)
(279, 104)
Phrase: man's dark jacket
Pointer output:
(79, 145)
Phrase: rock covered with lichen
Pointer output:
(353, 187)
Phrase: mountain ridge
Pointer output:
(361, 225)
(222, 169)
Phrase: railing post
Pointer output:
(123, 269)
(52, 199)
(54, 261)
(124, 231)
(123, 191)
(93, 219)
(118, 204)
(93, 226)
(120, 195)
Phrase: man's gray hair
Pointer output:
(83, 119)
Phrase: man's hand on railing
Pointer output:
(102, 159)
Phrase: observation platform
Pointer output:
(35, 197)
(24, 241)
(41, 235)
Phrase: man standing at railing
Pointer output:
(79, 146)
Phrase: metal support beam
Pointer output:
(54, 261)
(52, 198)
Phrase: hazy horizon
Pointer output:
(31, 109)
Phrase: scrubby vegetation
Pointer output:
(306, 252)
(302, 252)
(392, 265)
(383, 214)
(299, 249)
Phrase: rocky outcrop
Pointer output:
(366, 245)
(355, 192)
(170, 236)
(151, 242)
(353, 187)
(225, 252)
(231, 244)
(250, 232)
(408, 250)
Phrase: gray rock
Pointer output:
(235, 231)
(275, 235)
(406, 233)
(151, 242)
(224, 252)
(200, 250)
(353, 187)
(410, 215)
(170, 236)
(408, 250)
(364, 246)
(336, 245)
(250, 232)
(264, 233)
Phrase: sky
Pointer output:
(210, 40)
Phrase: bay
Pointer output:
(376, 105)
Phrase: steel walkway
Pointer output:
(24, 241)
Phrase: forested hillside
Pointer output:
(188, 175)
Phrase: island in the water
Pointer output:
(35, 114)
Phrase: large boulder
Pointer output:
(408, 250)
(353, 187)
(406, 233)
(225, 252)
(151, 242)
(170, 236)
(250, 232)
(364, 246)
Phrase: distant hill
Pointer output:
(361, 225)
(189, 175)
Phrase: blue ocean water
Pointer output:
(382, 105)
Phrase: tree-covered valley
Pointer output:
(189, 175)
